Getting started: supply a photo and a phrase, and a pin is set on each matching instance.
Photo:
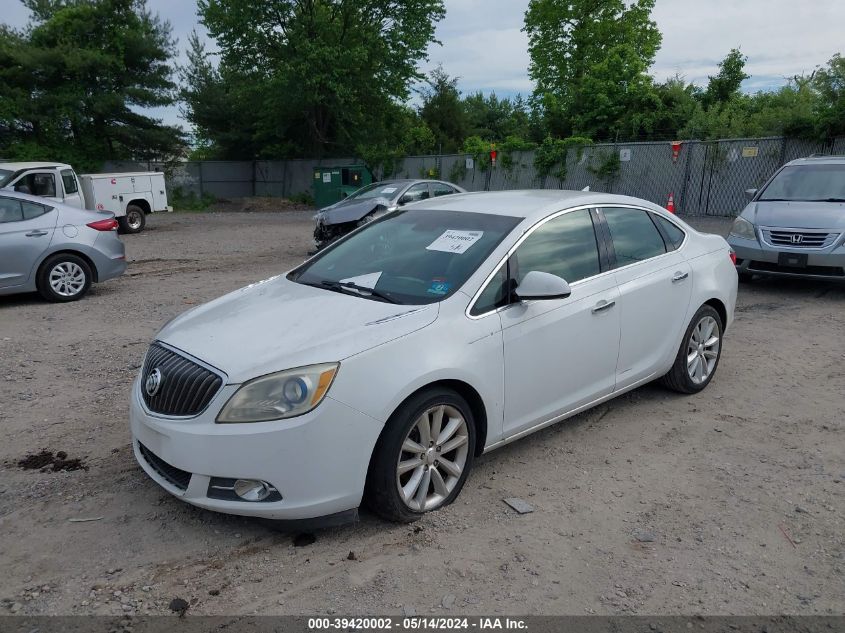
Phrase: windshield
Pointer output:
(807, 183)
(414, 256)
(378, 190)
(5, 176)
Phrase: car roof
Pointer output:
(30, 165)
(532, 204)
(818, 160)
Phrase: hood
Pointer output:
(350, 211)
(277, 324)
(797, 215)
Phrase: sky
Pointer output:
(482, 42)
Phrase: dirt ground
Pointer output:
(728, 502)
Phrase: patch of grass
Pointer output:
(190, 202)
(303, 197)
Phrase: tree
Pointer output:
(310, 77)
(589, 60)
(72, 81)
(443, 111)
(829, 82)
(727, 82)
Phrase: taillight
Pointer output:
(104, 225)
(733, 257)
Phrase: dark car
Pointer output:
(373, 201)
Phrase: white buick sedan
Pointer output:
(379, 369)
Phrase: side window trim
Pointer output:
(607, 256)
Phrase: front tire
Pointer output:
(64, 277)
(134, 221)
(699, 354)
(423, 456)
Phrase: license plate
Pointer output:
(793, 260)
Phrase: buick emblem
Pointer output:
(153, 382)
(797, 238)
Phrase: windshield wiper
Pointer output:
(341, 286)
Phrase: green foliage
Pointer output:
(829, 83)
(189, 201)
(589, 62)
(725, 85)
(605, 164)
(443, 111)
(71, 84)
(306, 78)
(551, 156)
(305, 198)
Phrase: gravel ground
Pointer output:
(728, 502)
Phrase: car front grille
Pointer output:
(792, 238)
(184, 388)
(171, 474)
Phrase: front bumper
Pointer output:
(318, 461)
(761, 259)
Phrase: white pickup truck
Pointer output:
(130, 196)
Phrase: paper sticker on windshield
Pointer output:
(389, 190)
(365, 281)
(455, 241)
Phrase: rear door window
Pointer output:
(441, 189)
(10, 210)
(635, 237)
(670, 230)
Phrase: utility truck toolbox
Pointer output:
(130, 196)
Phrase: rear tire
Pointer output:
(437, 460)
(699, 353)
(64, 277)
(134, 221)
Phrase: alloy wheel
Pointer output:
(703, 349)
(433, 457)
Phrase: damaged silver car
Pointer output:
(373, 201)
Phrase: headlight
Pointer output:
(284, 394)
(743, 228)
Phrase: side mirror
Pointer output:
(405, 199)
(538, 285)
(750, 193)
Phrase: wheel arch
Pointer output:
(142, 203)
(68, 251)
(719, 306)
(468, 393)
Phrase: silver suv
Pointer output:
(794, 225)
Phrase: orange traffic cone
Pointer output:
(670, 206)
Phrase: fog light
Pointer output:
(252, 490)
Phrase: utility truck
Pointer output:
(130, 196)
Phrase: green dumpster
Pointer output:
(332, 184)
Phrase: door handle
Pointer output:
(36, 233)
(603, 305)
(679, 276)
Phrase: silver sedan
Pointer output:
(55, 249)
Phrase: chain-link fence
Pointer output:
(703, 177)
